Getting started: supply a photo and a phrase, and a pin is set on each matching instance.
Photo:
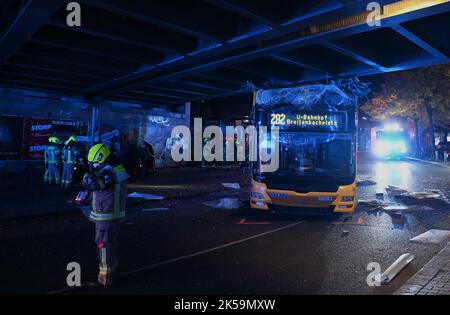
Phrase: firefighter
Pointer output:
(109, 192)
(52, 156)
(70, 157)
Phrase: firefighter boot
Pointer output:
(105, 279)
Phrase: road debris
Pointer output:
(225, 203)
(392, 206)
(379, 194)
(432, 236)
(422, 195)
(415, 208)
(365, 181)
(145, 196)
(395, 190)
(345, 233)
(421, 208)
(377, 203)
(396, 267)
(396, 208)
(232, 185)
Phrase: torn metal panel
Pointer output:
(396, 267)
(432, 237)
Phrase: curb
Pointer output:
(428, 162)
(422, 282)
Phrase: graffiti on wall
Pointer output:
(157, 132)
(11, 129)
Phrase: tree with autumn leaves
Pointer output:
(422, 94)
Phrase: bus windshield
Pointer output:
(316, 155)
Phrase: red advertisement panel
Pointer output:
(35, 137)
(38, 130)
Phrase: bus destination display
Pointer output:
(310, 121)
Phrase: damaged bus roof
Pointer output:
(317, 97)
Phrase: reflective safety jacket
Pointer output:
(109, 193)
(71, 155)
(52, 154)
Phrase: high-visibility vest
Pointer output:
(114, 200)
(70, 155)
(51, 154)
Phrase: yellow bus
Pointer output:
(317, 150)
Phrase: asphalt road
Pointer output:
(190, 248)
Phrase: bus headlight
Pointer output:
(256, 195)
(347, 198)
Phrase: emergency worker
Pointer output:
(70, 157)
(52, 156)
(107, 182)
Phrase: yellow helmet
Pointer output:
(71, 138)
(53, 140)
(98, 153)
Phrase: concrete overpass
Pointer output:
(165, 53)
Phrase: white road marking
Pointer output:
(202, 252)
(87, 284)
(209, 250)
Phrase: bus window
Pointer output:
(315, 154)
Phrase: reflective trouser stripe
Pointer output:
(67, 174)
(106, 216)
(103, 255)
(107, 270)
(106, 266)
(103, 262)
(70, 157)
(51, 172)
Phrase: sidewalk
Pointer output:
(443, 164)
(432, 279)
